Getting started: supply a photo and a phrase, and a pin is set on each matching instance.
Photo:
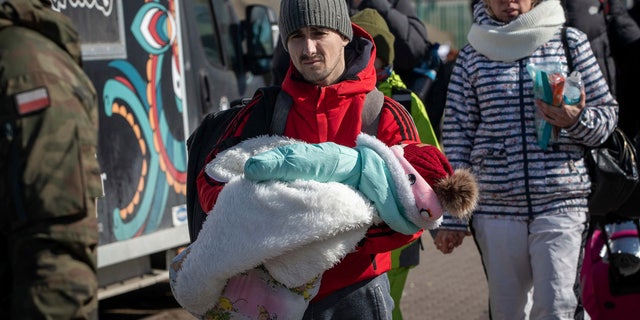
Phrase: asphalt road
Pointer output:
(442, 287)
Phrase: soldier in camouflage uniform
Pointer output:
(49, 173)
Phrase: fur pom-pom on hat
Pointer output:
(457, 190)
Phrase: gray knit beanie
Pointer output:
(297, 14)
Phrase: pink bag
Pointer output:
(610, 273)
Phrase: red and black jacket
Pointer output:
(333, 113)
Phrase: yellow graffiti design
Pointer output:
(135, 200)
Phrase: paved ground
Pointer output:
(442, 287)
(446, 287)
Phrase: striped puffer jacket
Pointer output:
(490, 127)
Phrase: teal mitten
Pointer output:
(361, 167)
(323, 162)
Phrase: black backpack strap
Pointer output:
(402, 96)
(259, 121)
(371, 111)
(280, 113)
(567, 53)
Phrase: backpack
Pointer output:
(269, 116)
(610, 280)
(402, 96)
(204, 139)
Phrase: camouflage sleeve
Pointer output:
(57, 122)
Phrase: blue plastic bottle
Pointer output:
(572, 88)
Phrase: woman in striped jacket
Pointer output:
(532, 213)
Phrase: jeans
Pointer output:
(521, 255)
(367, 300)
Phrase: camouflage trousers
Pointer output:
(48, 269)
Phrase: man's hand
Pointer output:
(447, 240)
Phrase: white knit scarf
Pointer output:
(520, 37)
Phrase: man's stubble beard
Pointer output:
(320, 79)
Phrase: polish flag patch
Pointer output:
(32, 100)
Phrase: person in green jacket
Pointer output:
(390, 84)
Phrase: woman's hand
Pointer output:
(563, 116)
